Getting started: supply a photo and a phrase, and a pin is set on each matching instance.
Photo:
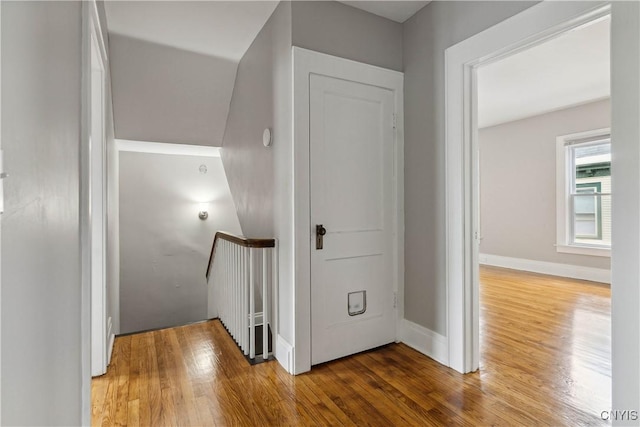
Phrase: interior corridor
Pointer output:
(545, 359)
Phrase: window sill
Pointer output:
(584, 250)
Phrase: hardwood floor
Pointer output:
(545, 360)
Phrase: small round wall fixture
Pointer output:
(203, 212)
(266, 137)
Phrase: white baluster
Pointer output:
(236, 282)
(226, 286)
(225, 278)
(275, 292)
(245, 301)
(252, 307)
(265, 306)
(233, 290)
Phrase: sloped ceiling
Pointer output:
(224, 29)
(159, 50)
(569, 70)
(173, 65)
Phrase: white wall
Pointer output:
(41, 287)
(518, 184)
(427, 34)
(164, 94)
(164, 246)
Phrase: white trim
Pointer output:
(1, 208)
(111, 336)
(112, 339)
(304, 63)
(532, 26)
(425, 341)
(592, 274)
(98, 215)
(167, 148)
(584, 250)
(563, 169)
(285, 354)
(91, 32)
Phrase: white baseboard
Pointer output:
(284, 354)
(425, 341)
(112, 339)
(563, 270)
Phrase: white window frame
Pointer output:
(564, 166)
(597, 204)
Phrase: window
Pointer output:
(584, 193)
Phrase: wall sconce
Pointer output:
(203, 214)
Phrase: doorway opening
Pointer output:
(543, 184)
(540, 23)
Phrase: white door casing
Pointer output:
(1, 203)
(530, 27)
(100, 336)
(305, 64)
(351, 152)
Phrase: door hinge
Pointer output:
(395, 299)
(394, 120)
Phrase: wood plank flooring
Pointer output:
(545, 360)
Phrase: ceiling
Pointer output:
(568, 70)
(224, 29)
(398, 11)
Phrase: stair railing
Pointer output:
(241, 279)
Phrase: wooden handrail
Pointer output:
(238, 240)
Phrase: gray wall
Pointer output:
(41, 289)
(427, 34)
(261, 178)
(248, 163)
(164, 94)
(337, 29)
(518, 184)
(280, 22)
(164, 246)
(625, 128)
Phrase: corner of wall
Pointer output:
(425, 341)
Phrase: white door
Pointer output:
(352, 183)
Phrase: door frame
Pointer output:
(306, 62)
(1, 202)
(532, 26)
(99, 334)
(90, 29)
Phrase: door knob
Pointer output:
(320, 232)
